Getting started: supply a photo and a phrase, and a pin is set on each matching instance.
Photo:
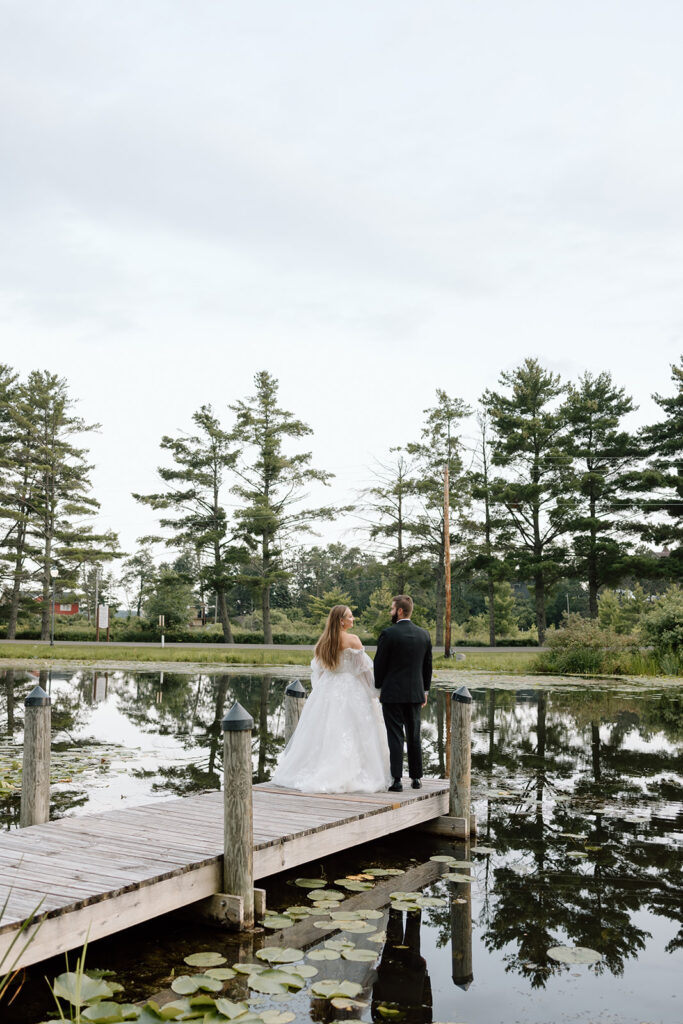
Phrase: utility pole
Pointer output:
(97, 602)
(447, 561)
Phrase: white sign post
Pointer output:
(102, 620)
(162, 621)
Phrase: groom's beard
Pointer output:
(394, 619)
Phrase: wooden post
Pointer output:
(461, 754)
(238, 824)
(35, 777)
(295, 695)
(447, 561)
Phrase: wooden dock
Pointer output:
(101, 873)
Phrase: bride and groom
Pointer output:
(344, 743)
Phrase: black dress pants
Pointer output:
(403, 728)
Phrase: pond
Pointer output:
(578, 798)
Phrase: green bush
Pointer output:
(663, 628)
(584, 647)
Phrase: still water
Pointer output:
(577, 792)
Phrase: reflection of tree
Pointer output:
(542, 897)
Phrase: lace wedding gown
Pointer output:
(340, 744)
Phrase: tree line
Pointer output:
(547, 485)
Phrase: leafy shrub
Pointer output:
(584, 647)
(663, 628)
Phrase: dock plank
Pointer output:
(101, 873)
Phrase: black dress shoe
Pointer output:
(396, 786)
(416, 784)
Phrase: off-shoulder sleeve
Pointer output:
(363, 669)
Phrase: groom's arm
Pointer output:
(427, 665)
(379, 665)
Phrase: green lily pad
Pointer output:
(398, 895)
(327, 924)
(346, 915)
(230, 1009)
(379, 938)
(443, 858)
(205, 960)
(431, 901)
(109, 1013)
(324, 954)
(353, 886)
(325, 894)
(574, 955)
(454, 876)
(222, 973)
(406, 905)
(377, 872)
(280, 954)
(297, 911)
(577, 854)
(303, 970)
(344, 1003)
(149, 1014)
(357, 927)
(327, 904)
(271, 983)
(310, 883)
(277, 1016)
(390, 1012)
(339, 944)
(370, 915)
(360, 955)
(247, 968)
(188, 984)
(330, 989)
(79, 989)
(277, 921)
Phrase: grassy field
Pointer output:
(493, 661)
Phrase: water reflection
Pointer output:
(402, 975)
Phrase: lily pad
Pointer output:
(346, 915)
(277, 1016)
(379, 938)
(303, 970)
(406, 905)
(443, 858)
(574, 955)
(370, 915)
(329, 989)
(431, 901)
(353, 886)
(310, 883)
(247, 968)
(378, 872)
(188, 984)
(360, 955)
(280, 954)
(454, 876)
(398, 895)
(577, 854)
(327, 904)
(109, 1013)
(277, 921)
(324, 954)
(297, 911)
(205, 960)
(230, 1009)
(325, 894)
(339, 944)
(327, 924)
(271, 983)
(79, 989)
(357, 927)
(221, 973)
(390, 1012)
(343, 1003)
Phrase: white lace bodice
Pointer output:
(351, 661)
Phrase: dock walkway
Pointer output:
(101, 873)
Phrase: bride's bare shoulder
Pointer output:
(351, 642)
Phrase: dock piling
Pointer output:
(295, 695)
(35, 776)
(461, 755)
(238, 825)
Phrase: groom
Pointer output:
(403, 672)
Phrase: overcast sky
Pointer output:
(369, 199)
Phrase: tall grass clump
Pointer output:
(663, 629)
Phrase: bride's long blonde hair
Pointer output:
(328, 647)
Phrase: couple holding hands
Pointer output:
(361, 715)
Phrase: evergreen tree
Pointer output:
(439, 446)
(138, 575)
(662, 480)
(530, 441)
(194, 497)
(601, 452)
(388, 503)
(271, 484)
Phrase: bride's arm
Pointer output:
(315, 672)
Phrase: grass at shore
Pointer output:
(489, 661)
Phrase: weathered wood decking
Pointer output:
(100, 873)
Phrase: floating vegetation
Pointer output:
(205, 960)
(329, 989)
(324, 954)
(574, 955)
(280, 954)
(325, 894)
(310, 883)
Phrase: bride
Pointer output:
(340, 743)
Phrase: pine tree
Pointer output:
(439, 446)
(662, 480)
(195, 498)
(271, 485)
(530, 441)
(388, 503)
(601, 454)
(138, 573)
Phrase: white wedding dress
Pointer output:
(340, 744)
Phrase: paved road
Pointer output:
(244, 647)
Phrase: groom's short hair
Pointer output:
(405, 603)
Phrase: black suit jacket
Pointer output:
(403, 664)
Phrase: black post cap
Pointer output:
(462, 695)
(295, 689)
(37, 698)
(237, 719)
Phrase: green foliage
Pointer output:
(172, 597)
(319, 607)
(504, 609)
(663, 628)
(584, 647)
(377, 615)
